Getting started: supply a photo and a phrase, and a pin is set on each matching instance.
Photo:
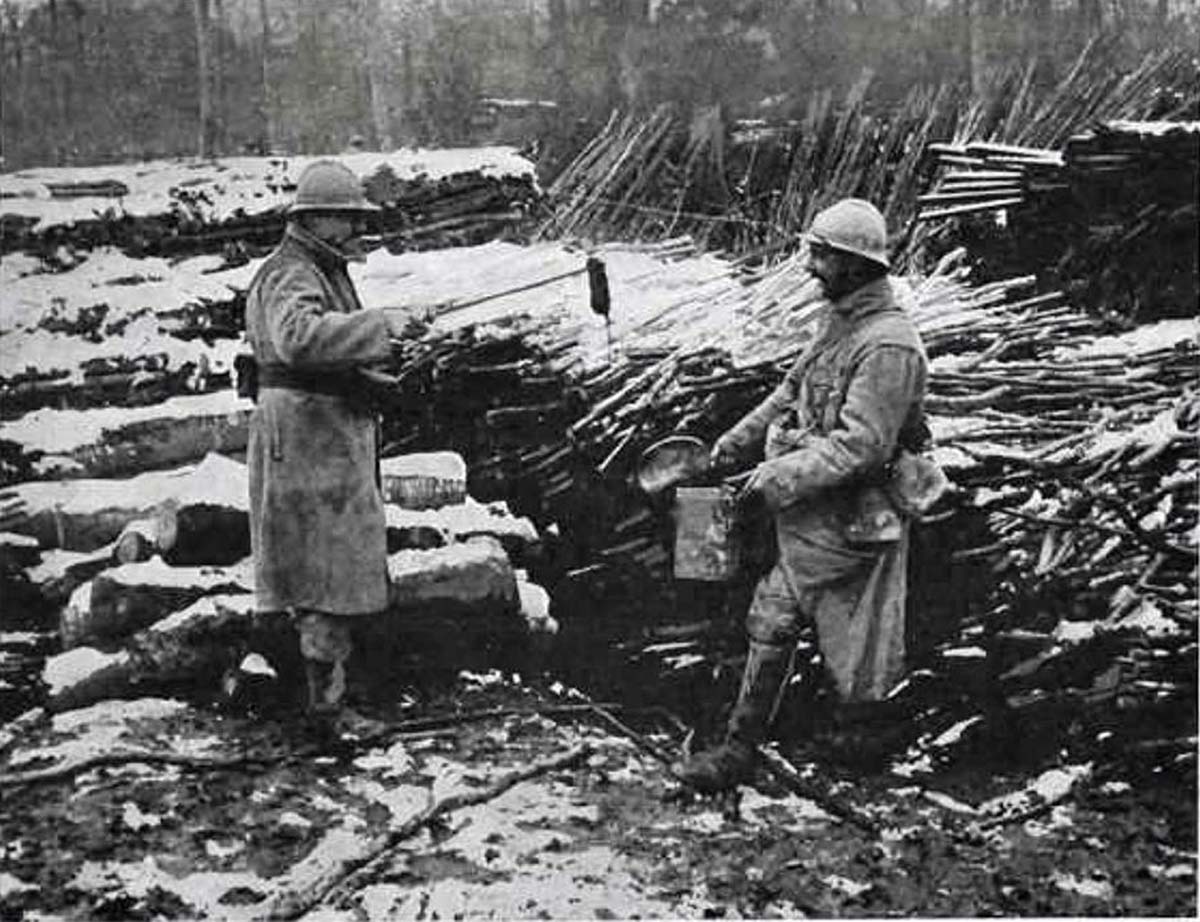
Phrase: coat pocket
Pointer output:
(917, 482)
(872, 518)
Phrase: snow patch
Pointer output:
(69, 669)
(201, 891)
(1096, 889)
(953, 734)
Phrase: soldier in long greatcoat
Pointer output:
(829, 435)
(316, 512)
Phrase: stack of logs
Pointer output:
(418, 213)
(1111, 219)
(153, 586)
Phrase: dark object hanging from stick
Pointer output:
(598, 293)
(598, 286)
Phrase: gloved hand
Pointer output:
(767, 481)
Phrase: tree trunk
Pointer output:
(219, 108)
(268, 116)
(623, 28)
(1091, 16)
(408, 92)
(11, 54)
(203, 55)
(977, 44)
(559, 56)
(62, 118)
(1040, 23)
(377, 82)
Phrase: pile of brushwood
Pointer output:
(1111, 219)
(749, 189)
(1054, 590)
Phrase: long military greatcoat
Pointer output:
(829, 432)
(316, 514)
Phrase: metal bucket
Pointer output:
(707, 541)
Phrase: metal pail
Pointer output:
(707, 543)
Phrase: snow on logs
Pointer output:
(125, 599)
(198, 641)
(87, 514)
(179, 207)
(117, 441)
(128, 623)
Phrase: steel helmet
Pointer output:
(326, 185)
(852, 225)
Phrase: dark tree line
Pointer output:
(122, 79)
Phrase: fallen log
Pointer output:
(476, 574)
(60, 573)
(425, 480)
(84, 515)
(123, 600)
(185, 647)
(420, 528)
(112, 442)
(192, 515)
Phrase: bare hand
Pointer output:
(402, 325)
(722, 454)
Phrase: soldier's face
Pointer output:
(829, 267)
(338, 229)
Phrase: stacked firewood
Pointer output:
(751, 190)
(1058, 577)
(237, 209)
(1111, 219)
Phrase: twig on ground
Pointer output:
(354, 872)
(639, 739)
(790, 777)
(107, 759)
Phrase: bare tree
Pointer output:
(982, 16)
(1091, 16)
(560, 75)
(217, 65)
(625, 21)
(268, 105)
(377, 73)
(203, 57)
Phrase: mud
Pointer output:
(615, 838)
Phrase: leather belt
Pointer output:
(332, 383)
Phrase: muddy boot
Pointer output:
(326, 685)
(732, 763)
(327, 706)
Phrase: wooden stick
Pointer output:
(790, 776)
(103, 759)
(640, 740)
(455, 720)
